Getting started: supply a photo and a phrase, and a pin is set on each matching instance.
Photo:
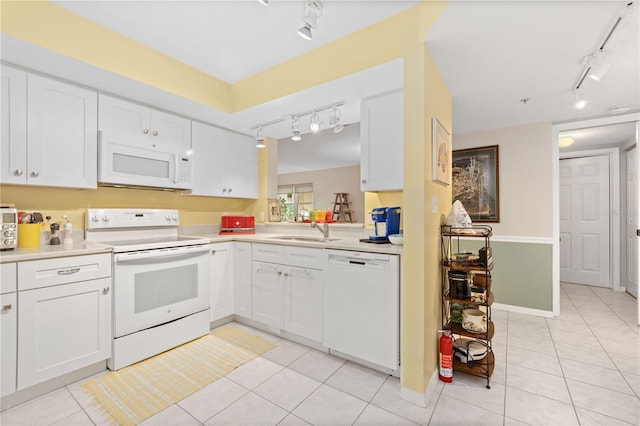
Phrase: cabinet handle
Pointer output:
(106, 290)
(286, 274)
(35, 173)
(364, 181)
(229, 190)
(213, 252)
(224, 190)
(18, 172)
(68, 271)
(279, 272)
(145, 131)
(7, 307)
(155, 133)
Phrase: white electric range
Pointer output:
(160, 281)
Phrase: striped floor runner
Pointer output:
(135, 393)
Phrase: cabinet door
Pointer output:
(267, 293)
(221, 281)
(303, 303)
(63, 328)
(209, 160)
(8, 343)
(8, 278)
(13, 156)
(242, 279)
(225, 164)
(382, 142)
(123, 122)
(170, 129)
(62, 134)
(241, 180)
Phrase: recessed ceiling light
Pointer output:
(565, 141)
(580, 104)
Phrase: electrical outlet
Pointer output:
(261, 216)
(434, 203)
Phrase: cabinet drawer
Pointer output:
(44, 273)
(267, 252)
(303, 256)
(8, 278)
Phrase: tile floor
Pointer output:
(582, 368)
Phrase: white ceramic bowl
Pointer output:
(396, 239)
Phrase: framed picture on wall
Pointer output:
(274, 210)
(475, 182)
(441, 154)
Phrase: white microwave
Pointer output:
(156, 165)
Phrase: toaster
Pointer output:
(237, 224)
(9, 239)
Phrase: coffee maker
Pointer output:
(386, 221)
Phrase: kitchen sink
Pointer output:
(307, 238)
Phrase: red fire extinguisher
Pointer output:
(446, 356)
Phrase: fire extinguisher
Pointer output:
(446, 356)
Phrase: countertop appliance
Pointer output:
(9, 239)
(386, 221)
(160, 281)
(158, 165)
(237, 225)
(362, 306)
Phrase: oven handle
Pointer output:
(161, 253)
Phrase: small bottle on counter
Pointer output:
(67, 234)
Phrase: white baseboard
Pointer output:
(523, 310)
(421, 399)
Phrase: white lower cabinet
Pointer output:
(62, 329)
(64, 316)
(221, 281)
(267, 293)
(242, 279)
(8, 328)
(303, 302)
(287, 289)
(8, 343)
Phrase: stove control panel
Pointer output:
(131, 218)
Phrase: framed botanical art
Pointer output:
(274, 210)
(441, 153)
(475, 182)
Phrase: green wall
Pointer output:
(521, 273)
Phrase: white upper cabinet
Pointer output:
(130, 123)
(225, 164)
(14, 126)
(60, 147)
(382, 142)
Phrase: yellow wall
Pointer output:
(426, 96)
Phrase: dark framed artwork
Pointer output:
(475, 182)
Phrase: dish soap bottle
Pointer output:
(67, 234)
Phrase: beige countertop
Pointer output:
(79, 248)
(338, 243)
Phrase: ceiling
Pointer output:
(491, 54)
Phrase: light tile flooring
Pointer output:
(582, 368)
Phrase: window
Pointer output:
(296, 201)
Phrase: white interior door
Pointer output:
(584, 222)
(632, 222)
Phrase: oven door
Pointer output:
(153, 287)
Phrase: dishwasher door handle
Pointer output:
(358, 262)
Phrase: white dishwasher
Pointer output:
(361, 308)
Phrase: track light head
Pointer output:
(260, 138)
(305, 32)
(314, 126)
(295, 129)
(264, 2)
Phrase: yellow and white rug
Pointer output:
(135, 393)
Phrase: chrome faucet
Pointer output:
(324, 229)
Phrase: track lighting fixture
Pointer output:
(314, 125)
(334, 120)
(260, 138)
(311, 11)
(264, 2)
(295, 129)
